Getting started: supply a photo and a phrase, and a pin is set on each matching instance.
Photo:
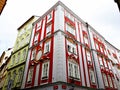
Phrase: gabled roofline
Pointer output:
(27, 21)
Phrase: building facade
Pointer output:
(4, 62)
(18, 58)
(66, 53)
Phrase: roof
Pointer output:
(2, 5)
(32, 17)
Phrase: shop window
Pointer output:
(92, 77)
(70, 29)
(33, 54)
(47, 47)
(71, 47)
(30, 75)
(48, 30)
(73, 70)
(105, 79)
(45, 70)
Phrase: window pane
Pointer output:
(45, 70)
(47, 47)
(30, 74)
(48, 30)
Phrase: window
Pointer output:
(73, 70)
(92, 77)
(101, 49)
(47, 47)
(105, 79)
(96, 45)
(100, 60)
(38, 25)
(20, 73)
(71, 47)
(36, 38)
(27, 38)
(30, 75)
(24, 54)
(49, 17)
(68, 15)
(114, 82)
(14, 76)
(45, 70)
(33, 54)
(18, 57)
(13, 60)
(109, 65)
(48, 30)
(88, 56)
(110, 81)
(70, 29)
(85, 40)
(105, 63)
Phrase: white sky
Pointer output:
(102, 15)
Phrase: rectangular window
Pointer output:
(105, 79)
(33, 54)
(101, 49)
(38, 25)
(71, 47)
(85, 40)
(100, 60)
(13, 60)
(36, 38)
(49, 17)
(92, 77)
(48, 30)
(105, 63)
(68, 15)
(110, 81)
(88, 56)
(24, 54)
(70, 29)
(45, 70)
(109, 65)
(114, 82)
(20, 73)
(73, 70)
(47, 47)
(96, 45)
(30, 75)
(18, 57)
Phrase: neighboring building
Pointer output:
(118, 3)
(18, 58)
(66, 53)
(4, 62)
(2, 5)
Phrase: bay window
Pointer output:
(73, 70)
(45, 70)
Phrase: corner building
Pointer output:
(66, 53)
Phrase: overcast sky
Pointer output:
(102, 15)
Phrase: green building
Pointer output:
(19, 56)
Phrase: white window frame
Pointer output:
(30, 75)
(38, 25)
(92, 76)
(72, 47)
(105, 80)
(36, 38)
(33, 54)
(70, 29)
(47, 47)
(101, 49)
(86, 40)
(48, 29)
(100, 60)
(110, 81)
(49, 17)
(88, 54)
(45, 70)
(105, 63)
(72, 72)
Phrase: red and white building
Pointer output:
(66, 53)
